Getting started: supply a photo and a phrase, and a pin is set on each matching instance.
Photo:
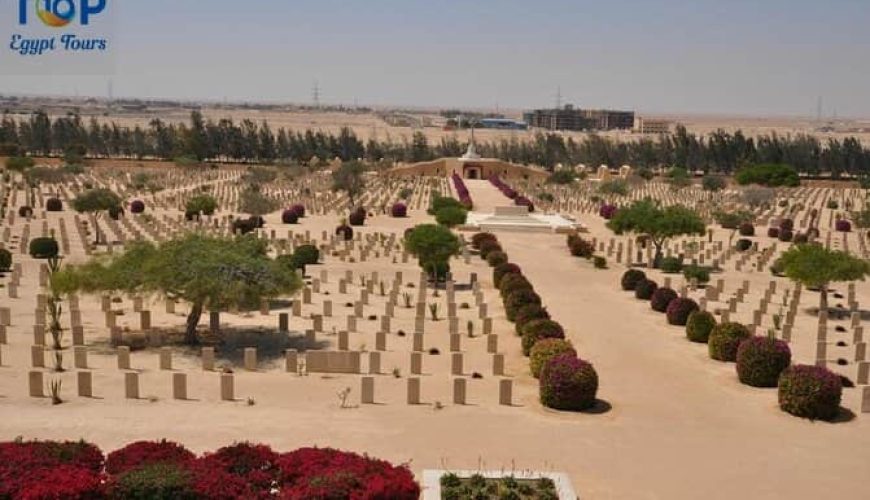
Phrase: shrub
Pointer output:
(255, 464)
(399, 210)
(201, 205)
(60, 482)
(743, 245)
(44, 248)
(679, 309)
(345, 232)
(785, 235)
(760, 361)
(843, 226)
(289, 216)
(712, 182)
(698, 273)
(161, 480)
(699, 325)
(833, 205)
(115, 212)
(517, 299)
(249, 225)
(140, 453)
(306, 255)
(357, 217)
(527, 313)
(724, 340)
(607, 211)
(5, 259)
(786, 225)
(671, 265)
(773, 232)
(538, 329)
(580, 247)
(501, 270)
(479, 238)
(645, 289)
(568, 383)
(747, 229)
(544, 350)
(770, 175)
(496, 258)
(810, 392)
(489, 246)
(299, 209)
(801, 238)
(661, 298)
(137, 206)
(323, 473)
(53, 205)
(512, 283)
(25, 212)
(631, 278)
(599, 262)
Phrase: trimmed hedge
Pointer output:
(631, 278)
(810, 392)
(496, 259)
(568, 383)
(661, 298)
(487, 247)
(699, 326)
(357, 217)
(679, 309)
(53, 205)
(747, 229)
(645, 289)
(671, 265)
(724, 340)
(399, 210)
(479, 238)
(517, 299)
(528, 313)
(289, 216)
(761, 360)
(744, 245)
(502, 270)
(538, 329)
(137, 206)
(544, 350)
(44, 248)
(345, 232)
(512, 283)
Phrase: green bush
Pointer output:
(44, 248)
(699, 326)
(496, 259)
(544, 349)
(770, 175)
(671, 265)
(724, 340)
(645, 289)
(599, 262)
(201, 205)
(153, 482)
(451, 216)
(760, 361)
(810, 392)
(19, 163)
(5, 259)
(539, 329)
(441, 202)
(512, 283)
(699, 273)
(307, 255)
(631, 278)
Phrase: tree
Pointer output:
(451, 216)
(349, 178)
(19, 163)
(253, 202)
(768, 174)
(658, 224)
(815, 266)
(433, 246)
(206, 271)
(96, 201)
(202, 204)
(712, 182)
(561, 177)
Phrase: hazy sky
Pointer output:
(683, 56)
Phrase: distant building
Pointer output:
(502, 123)
(648, 126)
(569, 118)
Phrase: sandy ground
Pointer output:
(675, 424)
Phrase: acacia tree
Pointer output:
(206, 271)
(815, 266)
(658, 224)
(433, 245)
(96, 201)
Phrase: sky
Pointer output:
(735, 57)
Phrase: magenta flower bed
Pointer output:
(462, 192)
(519, 200)
(607, 211)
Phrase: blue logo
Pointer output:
(60, 13)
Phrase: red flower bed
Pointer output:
(74, 471)
(462, 192)
(520, 201)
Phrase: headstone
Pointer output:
(505, 392)
(368, 390)
(179, 386)
(131, 385)
(459, 391)
(416, 363)
(208, 359)
(227, 387)
(251, 359)
(413, 391)
(84, 384)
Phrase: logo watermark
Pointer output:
(57, 36)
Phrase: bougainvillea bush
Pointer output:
(661, 298)
(645, 289)
(546, 349)
(538, 329)
(164, 470)
(502, 270)
(479, 238)
(568, 383)
(810, 392)
(607, 211)
(399, 210)
(679, 309)
(761, 360)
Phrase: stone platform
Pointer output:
(518, 219)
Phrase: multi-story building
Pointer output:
(569, 118)
(649, 126)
